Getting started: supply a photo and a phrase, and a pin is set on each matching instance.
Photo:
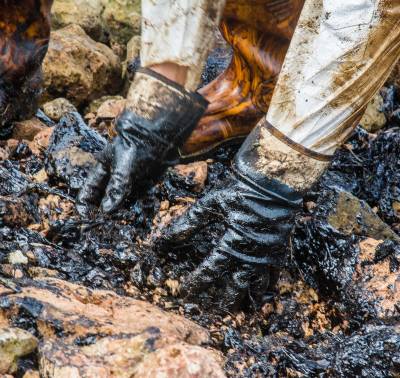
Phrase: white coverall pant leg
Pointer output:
(181, 32)
(341, 54)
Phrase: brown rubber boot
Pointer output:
(259, 34)
(24, 38)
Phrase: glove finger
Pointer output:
(94, 186)
(196, 217)
(236, 290)
(120, 183)
(207, 274)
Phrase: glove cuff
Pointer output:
(168, 110)
(264, 156)
(245, 171)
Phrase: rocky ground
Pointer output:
(83, 298)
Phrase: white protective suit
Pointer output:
(340, 55)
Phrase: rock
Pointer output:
(41, 141)
(4, 153)
(95, 104)
(78, 68)
(361, 280)
(122, 19)
(350, 215)
(132, 62)
(104, 118)
(195, 174)
(70, 154)
(17, 257)
(57, 108)
(180, 360)
(377, 276)
(374, 118)
(90, 333)
(31, 374)
(14, 343)
(110, 109)
(85, 13)
(40, 177)
(133, 48)
(27, 130)
(38, 272)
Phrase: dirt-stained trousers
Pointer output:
(340, 55)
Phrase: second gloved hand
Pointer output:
(159, 117)
(257, 214)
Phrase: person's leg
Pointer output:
(177, 36)
(259, 33)
(341, 54)
(24, 37)
(162, 106)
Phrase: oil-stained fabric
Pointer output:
(341, 54)
(181, 32)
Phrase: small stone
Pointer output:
(351, 215)
(14, 343)
(111, 108)
(133, 48)
(41, 141)
(41, 176)
(18, 274)
(164, 205)
(31, 256)
(31, 374)
(374, 118)
(57, 108)
(173, 286)
(197, 172)
(17, 257)
(71, 151)
(95, 104)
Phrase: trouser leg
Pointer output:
(180, 32)
(341, 54)
(259, 34)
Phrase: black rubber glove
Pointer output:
(258, 215)
(146, 142)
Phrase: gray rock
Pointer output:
(57, 108)
(17, 257)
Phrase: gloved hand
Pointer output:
(257, 213)
(160, 118)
